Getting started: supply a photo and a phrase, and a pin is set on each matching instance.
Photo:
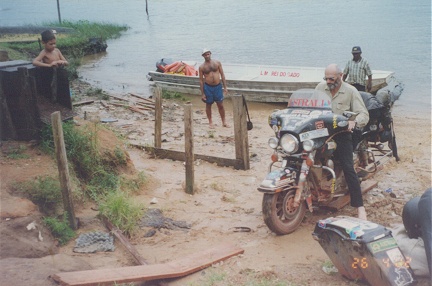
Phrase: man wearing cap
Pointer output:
(212, 78)
(356, 70)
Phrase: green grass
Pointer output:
(17, 153)
(60, 229)
(99, 177)
(173, 95)
(122, 211)
(133, 184)
(42, 191)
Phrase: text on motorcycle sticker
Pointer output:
(314, 134)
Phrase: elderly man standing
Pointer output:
(345, 97)
(212, 78)
(356, 70)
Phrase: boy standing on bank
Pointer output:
(50, 56)
(212, 78)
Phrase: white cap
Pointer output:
(205, 51)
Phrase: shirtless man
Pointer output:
(50, 56)
(211, 75)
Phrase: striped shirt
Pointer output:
(357, 71)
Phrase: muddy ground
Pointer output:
(225, 199)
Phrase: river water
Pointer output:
(394, 35)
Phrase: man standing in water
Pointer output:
(345, 97)
(211, 80)
(356, 70)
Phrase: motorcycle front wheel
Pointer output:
(280, 216)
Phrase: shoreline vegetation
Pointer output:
(74, 38)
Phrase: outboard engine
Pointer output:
(162, 63)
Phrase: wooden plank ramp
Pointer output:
(177, 268)
(366, 186)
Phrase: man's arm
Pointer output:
(222, 77)
(62, 58)
(201, 77)
(369, 83)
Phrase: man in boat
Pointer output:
(356, 71)
(345, 97)
(212, 78)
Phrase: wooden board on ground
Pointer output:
(176, 268)
(180, 156)
(366, 186)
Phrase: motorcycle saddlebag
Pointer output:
(363, 250)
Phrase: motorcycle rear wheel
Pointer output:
(280, 216)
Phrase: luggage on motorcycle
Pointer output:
(363, 250)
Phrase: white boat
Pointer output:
(260, 83)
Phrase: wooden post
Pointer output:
(158, 118)
(62, 165)
(58, 10)
(189, 148)
(240, 131)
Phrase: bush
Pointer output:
(60, 229)
(121, 211)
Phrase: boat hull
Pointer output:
(258, 83)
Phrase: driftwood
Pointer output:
(152, 106)
(104, 104)
(142, 98)
(119, 104)
(84, 102)
(136, 109)
(119, 98)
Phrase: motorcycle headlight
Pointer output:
(308, 145)
(289, 143)
(373, 127)
(273, 142)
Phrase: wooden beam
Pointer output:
(177, 268)
(158, 118)
(130, 248)
(189, 148)
(366, 186)
(180, 156)
(119, 98)
(240, 131)
(63, 169)
(143, 98)
(136, 109)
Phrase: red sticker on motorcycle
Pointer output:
(319, 124)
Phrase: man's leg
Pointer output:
(209, 114)
(221, 109)
(344, 152)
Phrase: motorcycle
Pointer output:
(303, 174)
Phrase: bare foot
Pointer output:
(211, 126)
(226, 125)
(362, 213)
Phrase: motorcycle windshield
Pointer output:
(309, 98)
(308, 116)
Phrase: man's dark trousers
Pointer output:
(344, 154)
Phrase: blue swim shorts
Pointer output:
(213, 93)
